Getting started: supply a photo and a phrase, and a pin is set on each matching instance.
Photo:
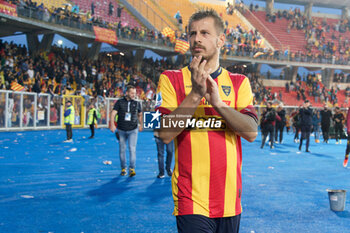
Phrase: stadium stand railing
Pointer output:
(185, 7)
(295, 39)
(269, 36)
(232, 20)
(102, 11)
(32, 111)
(153, 14)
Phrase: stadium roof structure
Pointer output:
(337, 4)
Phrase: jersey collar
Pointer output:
(215, 74)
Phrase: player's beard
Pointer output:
(207, 57)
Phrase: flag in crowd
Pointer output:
(181, 46)
(17, 87)
(168, 32)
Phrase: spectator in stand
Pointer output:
(306, 124)
(326, 116)
(338, 119)
(119, 10)
(110, 9)
(92, 8)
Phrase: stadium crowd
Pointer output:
(319, 48)
(62, 71)
(240, 42)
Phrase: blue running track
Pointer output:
(50, 186)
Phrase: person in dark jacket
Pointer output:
(305, 124)
(280, 123)
(338, 119)
(326, 116)
(268, 123)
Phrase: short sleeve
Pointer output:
(116, 106)
(139, 107)
(166, 99)
(245, 99)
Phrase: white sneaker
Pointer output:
(70, 140)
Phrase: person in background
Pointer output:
(69, 116)
(296, 124)
(268, 121)
(129, 123)
(92, 119)
(305, 124)
(169, 151)
(316, 123)
(338, 119)
(280, 123)
(347, 151)
(326, 116)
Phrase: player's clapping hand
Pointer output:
(199, 76)
(212, 95)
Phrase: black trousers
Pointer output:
(338, 128)
(297, 129)
(92, 129)
(69, 132)
(202, 224)
(348, 146)
(268, 129)
(279, 130)
(325, 131)
(305, 134)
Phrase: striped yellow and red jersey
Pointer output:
(208, 163)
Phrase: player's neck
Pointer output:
(213, 65)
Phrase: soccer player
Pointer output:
(206, 181)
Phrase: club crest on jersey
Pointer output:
(226, 90)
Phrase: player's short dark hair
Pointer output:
(129, 87)
(208, 13)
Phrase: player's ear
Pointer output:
(221, 40)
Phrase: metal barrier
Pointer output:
(32, 111)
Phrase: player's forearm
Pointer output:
(182, 113)
(112, 117)
(140, 118)
(243, 125)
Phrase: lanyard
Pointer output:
(128, 106)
